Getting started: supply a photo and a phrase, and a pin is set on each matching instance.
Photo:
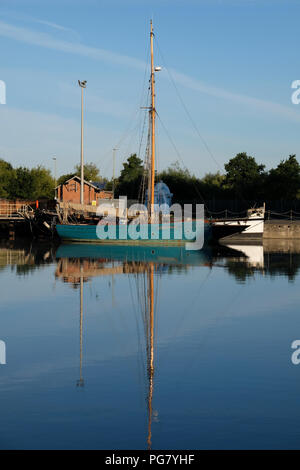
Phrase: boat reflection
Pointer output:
(78, 263)
(272, 257)
(251, 255)
(174, 255)
(143, 267)
(106, 260)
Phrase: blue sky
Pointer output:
(232, 61)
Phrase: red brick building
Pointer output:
(69, 191)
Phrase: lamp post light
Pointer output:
(82, 86)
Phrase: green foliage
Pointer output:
(214, 180)
(130, 179)
(91, 172)
(182, 184)
(35, 183)
(25, 183)
(42, 183)
(109, 185)
(132, 168)
(244, 176)
(6, 175)
(175, 170)
(22, 184)
(283, 182)
(63, 178)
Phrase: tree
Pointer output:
(35, 183)
(63, 178)
(213, 179)
(6, 176)
(213, 186)
(283, 182)
(177, 171)
(132, 168)
(42, 183)
(131, 176)
(181, 183)
(22, 186)
(244, 176)
(91, 172)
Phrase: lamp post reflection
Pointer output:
(80, 382)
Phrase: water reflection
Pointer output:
(25, 257)
(80, 382)
(79, 263)
(272, 258)
(75, 267)
(76, 264)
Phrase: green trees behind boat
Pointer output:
(130, 179)
(243, 179)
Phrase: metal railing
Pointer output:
(13, 210)
(269, 214)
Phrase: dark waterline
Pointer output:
(76, 322)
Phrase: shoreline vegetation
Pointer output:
(244, 181)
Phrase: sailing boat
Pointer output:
(149, 226)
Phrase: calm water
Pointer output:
(126, 349)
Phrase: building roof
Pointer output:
(98, 185)
(94, 184)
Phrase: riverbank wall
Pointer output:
(282, 229)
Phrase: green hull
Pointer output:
(156, 234)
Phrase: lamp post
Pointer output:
(114, 167)
(54, 160)
(82, 86)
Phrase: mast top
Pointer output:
(151, 28)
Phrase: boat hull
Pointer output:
(238, 229)
(156, 234)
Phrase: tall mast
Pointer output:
(152, 111)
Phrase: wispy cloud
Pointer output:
(52, 25)
(263, 105)
(47, 41)
(30, 19)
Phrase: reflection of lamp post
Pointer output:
(80, 382)
(82, 86)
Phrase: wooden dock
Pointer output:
(13, 215)
(10, 211)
